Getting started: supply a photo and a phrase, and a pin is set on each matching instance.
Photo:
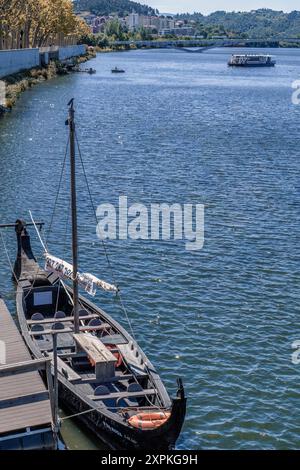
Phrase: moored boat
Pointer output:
(104, 376)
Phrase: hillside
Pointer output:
(107, 7)
(254, 24)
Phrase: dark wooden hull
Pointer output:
(117, 436)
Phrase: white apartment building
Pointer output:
(133, 21)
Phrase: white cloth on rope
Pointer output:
(65, 271)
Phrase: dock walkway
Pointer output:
(25, 406)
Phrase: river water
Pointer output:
(182, 128)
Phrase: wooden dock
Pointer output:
(26, 411)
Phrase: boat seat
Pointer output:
(101, 390)
(59, 314)
(95, 322)
(121, 395)
(98, 327)
(37, 328)
(64, 320)
(109, 380)
(71, 330)
(83, 313)
(37, 317)
(58, 326)
(132, 388)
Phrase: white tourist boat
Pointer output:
(251, 60)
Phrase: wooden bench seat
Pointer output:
(69, 330)
(117, 395)
(59, 320)
(109, 380)
(98, 354)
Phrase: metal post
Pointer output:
(54, 410)
(54, 337)
(74, 215)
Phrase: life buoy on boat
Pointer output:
(149, 421)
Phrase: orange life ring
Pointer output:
(149, 421)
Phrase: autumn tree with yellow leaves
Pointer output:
(39, 23)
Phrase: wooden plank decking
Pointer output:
(35, 409)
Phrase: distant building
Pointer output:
(178, 32)
(98, 24)
(133, 21)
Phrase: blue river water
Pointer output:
(182, 128)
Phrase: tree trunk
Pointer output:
(26, 41)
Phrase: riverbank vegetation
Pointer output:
(261, 23)
(119, 8)
(38, 23)
(16, 84)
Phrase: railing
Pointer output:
(202, 42)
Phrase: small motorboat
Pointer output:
(77, 68)
(117, 70)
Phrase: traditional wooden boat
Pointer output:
(103, 375)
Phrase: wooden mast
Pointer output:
(71, 123)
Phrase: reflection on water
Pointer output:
(77, 436)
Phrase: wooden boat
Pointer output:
(117, 70)
(103, 375)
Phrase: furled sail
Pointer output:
(92, 282)
(65, 271)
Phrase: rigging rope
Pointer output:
(58, 191)
(8, 258)
(119, 409)
(118, 294)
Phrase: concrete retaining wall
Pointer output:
(17, 60)
(71, 51)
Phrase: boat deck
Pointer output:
(24, 399)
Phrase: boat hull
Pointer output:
(251, 65)
(117, 436)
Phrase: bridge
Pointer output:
(205, 44)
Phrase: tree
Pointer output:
(37, 23)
